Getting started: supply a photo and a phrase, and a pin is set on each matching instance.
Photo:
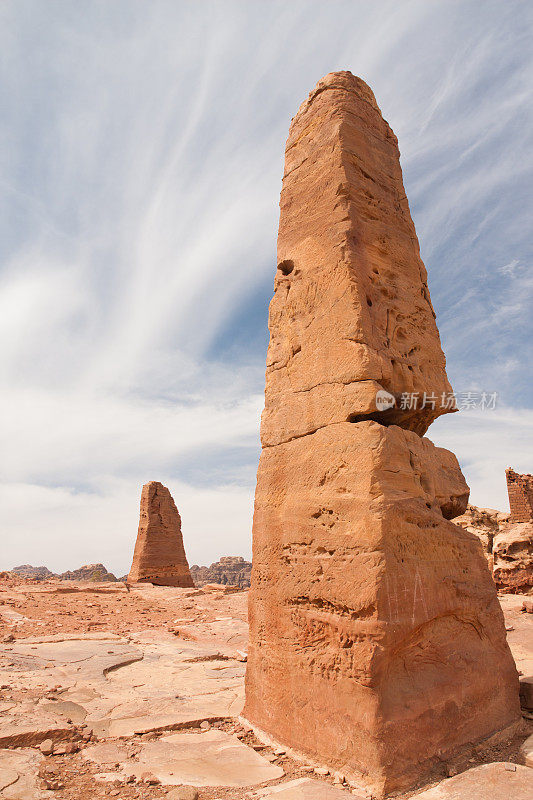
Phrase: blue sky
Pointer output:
(140, 168)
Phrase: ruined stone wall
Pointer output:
(520, 490)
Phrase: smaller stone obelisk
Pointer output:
(159, 555)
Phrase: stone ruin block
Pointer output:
(520, 490)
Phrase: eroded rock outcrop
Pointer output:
(33, 573)
(513, 558)
(88, 572)
(508, 547)
(485, 524)
(377, 644)
(229, 570)
(159, 555)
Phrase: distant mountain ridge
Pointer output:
(229, 570)
(38, 573)
(88, 572)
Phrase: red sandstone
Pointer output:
(377, 644)
(159, 555)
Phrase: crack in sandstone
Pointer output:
(337, 609)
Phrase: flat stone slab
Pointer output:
(105, 754)
(67, 709)
(228, 634)
(125, 727)
(305, 789)
(116, 688)
(174, 686)
(18, 775)
(526, 692)
(520, 638)
(213, 758)
(496, 781)
(30, 723)
(11, 616)
(82, 658)
(526, 752)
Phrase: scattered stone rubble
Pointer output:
(370, 612)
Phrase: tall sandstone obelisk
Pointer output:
(159, 555)
(377, 643)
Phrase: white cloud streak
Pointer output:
(141, 159)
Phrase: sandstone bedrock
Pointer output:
(377, 643)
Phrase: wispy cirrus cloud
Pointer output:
(140, 165)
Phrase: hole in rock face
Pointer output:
(368, 301)
(377, 416)
(286, 267)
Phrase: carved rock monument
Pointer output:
(377, 643)
(159, 555)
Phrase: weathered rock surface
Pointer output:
(497, 781)
(485, 524)
(526, 752)
(305, 789)
(366, 603)
(19, 778)
(508, 547)
(135, 677)
(513, 558)
(213, 758)
(230, 570)
(377, 645)
(351, 312)
(159, 555)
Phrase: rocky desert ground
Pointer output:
(135, 692)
